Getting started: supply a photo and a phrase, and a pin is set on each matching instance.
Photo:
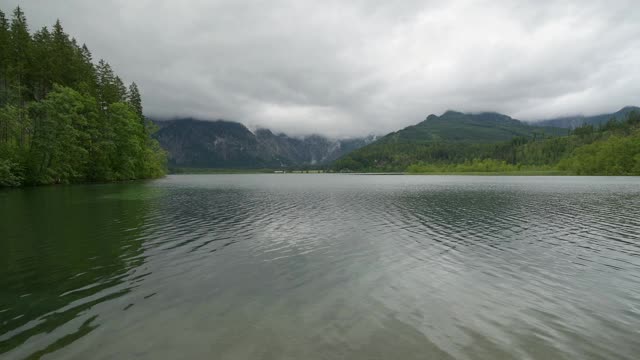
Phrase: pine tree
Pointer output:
(64, 119)
(135, 100)
(108, 89)
(61, 55)
(19, 63)
(86, 71)
(19, 55)
(41, 66)
(121, 90)
(4, 58)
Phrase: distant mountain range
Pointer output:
(456, 140)
(194, 143)
(225, 144)
(571, 122)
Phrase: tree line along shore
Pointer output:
(63, 117)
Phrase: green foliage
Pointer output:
(63, 119)
(10, 173)
(135, 100)
(475, 166)
(154, 163)
(615, 150)
(5, 46)
(453, 138)
(617, 155)
(110, 87)
(612, 149)
(458, 127)
(58, 151)
(129, 142)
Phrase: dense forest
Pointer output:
(64, 118)
(612, 148)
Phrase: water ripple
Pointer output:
(326, 266)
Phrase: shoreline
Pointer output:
(316, 172)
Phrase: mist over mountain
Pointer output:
(571, 122)
(226, 144)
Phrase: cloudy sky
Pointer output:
(356, 67)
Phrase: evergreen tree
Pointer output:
(19, 55)
(135, 100)
(41, 70)
(86, 71)
(121, 90)
(61, 57)
(64, 119)
(108, 89)
(5, 47)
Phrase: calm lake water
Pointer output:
(323, 267)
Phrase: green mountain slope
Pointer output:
(610, 149)
(450, 138)
(457, 126)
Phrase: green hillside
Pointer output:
(460, 144)
(460, 127)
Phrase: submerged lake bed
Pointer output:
(323, 266)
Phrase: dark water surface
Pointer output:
(323, 267)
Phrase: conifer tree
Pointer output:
(135, 100)
(109, 91)
(64, 119)
(121, 90)
(86, 71)
(61, 55)
(4, 58)
(41, 70)
(19, 55)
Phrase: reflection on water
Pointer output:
(64, 250)
(323, 267)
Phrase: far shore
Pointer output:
(203, 171)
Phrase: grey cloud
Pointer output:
(352, 68)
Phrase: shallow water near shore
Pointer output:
(323, 266)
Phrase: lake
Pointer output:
(322, 267)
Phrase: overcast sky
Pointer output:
(343, 68)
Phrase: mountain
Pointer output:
(225, 144)
(571, 122)
(455, 126)
(450, 138)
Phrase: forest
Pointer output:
(65, 119)
(610, 149)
